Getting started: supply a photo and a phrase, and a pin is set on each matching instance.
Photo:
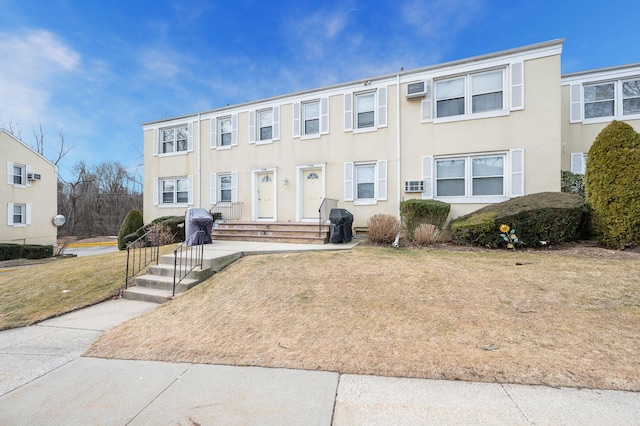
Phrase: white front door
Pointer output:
(311, 193)
(266, 190)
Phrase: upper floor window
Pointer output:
(19, 174)
(365, 110)
(265, 125)
(470, 94)
(603, 101)
(225, 131)
(311, 117)
(175, 139)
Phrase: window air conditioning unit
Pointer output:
(416, 90)
(414, 186)
(33, 176)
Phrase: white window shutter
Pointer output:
(348, 181)
(324, 116)
(234, 130)
(578, 165)
(190, 138)
(190, 197)
(382, 107)
(382, 180)
(10, 214)
(252, 127)
(517, 172)
(9, 173)
(214, 130)
(517, 86)
(156, 195)
(234, 187)
(296, 120)
(25, 176)
(213, 188)
(427, 103)
(427, 177)
(575, 101)
(155, 142)
(276, 124)
(348, 108)
(28, 214)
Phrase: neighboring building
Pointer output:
(470, 133)
(29, 197)
(590, 101)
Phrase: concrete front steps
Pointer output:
(276, 232)
(157, 284)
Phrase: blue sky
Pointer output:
(99, 69)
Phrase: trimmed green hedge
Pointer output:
(544, 218)
(416, 212)
(613, 190)
(27, 251)
(131, 223)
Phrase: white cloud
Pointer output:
(32, 62)
(440, 19)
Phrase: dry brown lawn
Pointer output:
(493, 316)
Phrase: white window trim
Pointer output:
(577, 103)
(157, 192)
(380, 108)
(215, 125)
(507, 107)
(513, 177)
(26, 215)
(26, 169)
(254, 125)
(157, 140)
(214, 187)
(380, 185)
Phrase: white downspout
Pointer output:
(199, 160)
(398, 139)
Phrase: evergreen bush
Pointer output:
(538, 219)
(416, 212)
(612, 181)
(572, 183)
(131, 223)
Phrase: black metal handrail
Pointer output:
(324, 210)
(226, 210)
(141, 253)
(188, 256)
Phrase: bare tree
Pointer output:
(13, 129)
(40, 144)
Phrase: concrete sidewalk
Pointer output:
(44, 380)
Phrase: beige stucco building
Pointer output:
(470, 133)
(29, 197)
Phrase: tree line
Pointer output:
(95, 199)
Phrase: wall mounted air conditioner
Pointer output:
(416, 90)
(413, 186)
(33, 176)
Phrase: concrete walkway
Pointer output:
(44, 380)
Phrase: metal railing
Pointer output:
(323, 212)
(188, 256)
(226, 210)
(141, 253)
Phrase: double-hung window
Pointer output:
(265, 125)
(365, 110)
(18, 174)
(470, 94)
(599, 100)
(470, 176)
(225, 187)
(225, 131)
(19, 214)
(631, 97)
(174, 190)
(365, 182)
(174, 139)
(311, 117)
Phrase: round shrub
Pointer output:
(383, 228)
(131, 223)
(538, 219)
(612, 184)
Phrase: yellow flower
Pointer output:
(504, 228)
